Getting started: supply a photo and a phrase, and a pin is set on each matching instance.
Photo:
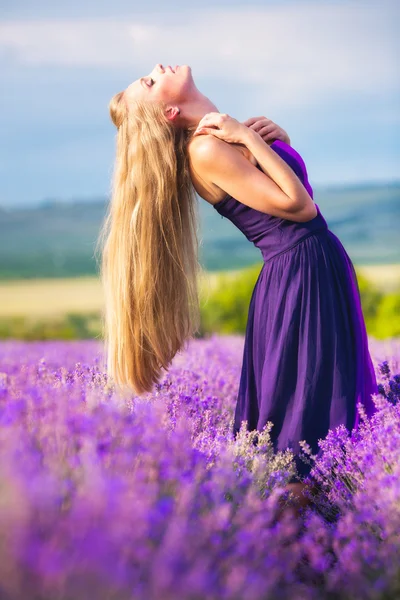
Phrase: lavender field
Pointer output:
(151, 498)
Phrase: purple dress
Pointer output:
(306, 361)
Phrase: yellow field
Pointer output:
(55, 297)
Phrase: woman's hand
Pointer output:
(267, 129)
(222, 126)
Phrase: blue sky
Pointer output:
(326, 72)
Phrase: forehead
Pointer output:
(135, 89)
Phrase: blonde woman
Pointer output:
(306, 361)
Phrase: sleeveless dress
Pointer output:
(306, 361)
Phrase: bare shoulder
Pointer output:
(203, 151)
(220, 165)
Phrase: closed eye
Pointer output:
(152, 80)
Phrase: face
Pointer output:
(164, 84)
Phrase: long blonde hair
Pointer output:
(149, 266)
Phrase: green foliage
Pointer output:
(224, 310)
(371, 297)
(381, 311)
(387, 321)
(69, 327)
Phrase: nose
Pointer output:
(160, 67)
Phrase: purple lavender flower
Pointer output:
(151, 497)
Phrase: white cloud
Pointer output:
(304, 51)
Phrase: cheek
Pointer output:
(170, 91)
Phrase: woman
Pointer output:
(306, 361)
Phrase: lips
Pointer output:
(169, 67)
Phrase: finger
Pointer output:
(202, 129)
(214, 121)
(252, 120)
(204, 118)
(213, 115)
(268, 129)
(209, 130)
(260, 124)
(208, 119)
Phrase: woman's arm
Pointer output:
(294, 160)
(275, 190)
(285, 177)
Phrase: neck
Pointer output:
(192, 112)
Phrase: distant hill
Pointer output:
(57, 239)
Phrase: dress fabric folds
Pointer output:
(306, 361)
